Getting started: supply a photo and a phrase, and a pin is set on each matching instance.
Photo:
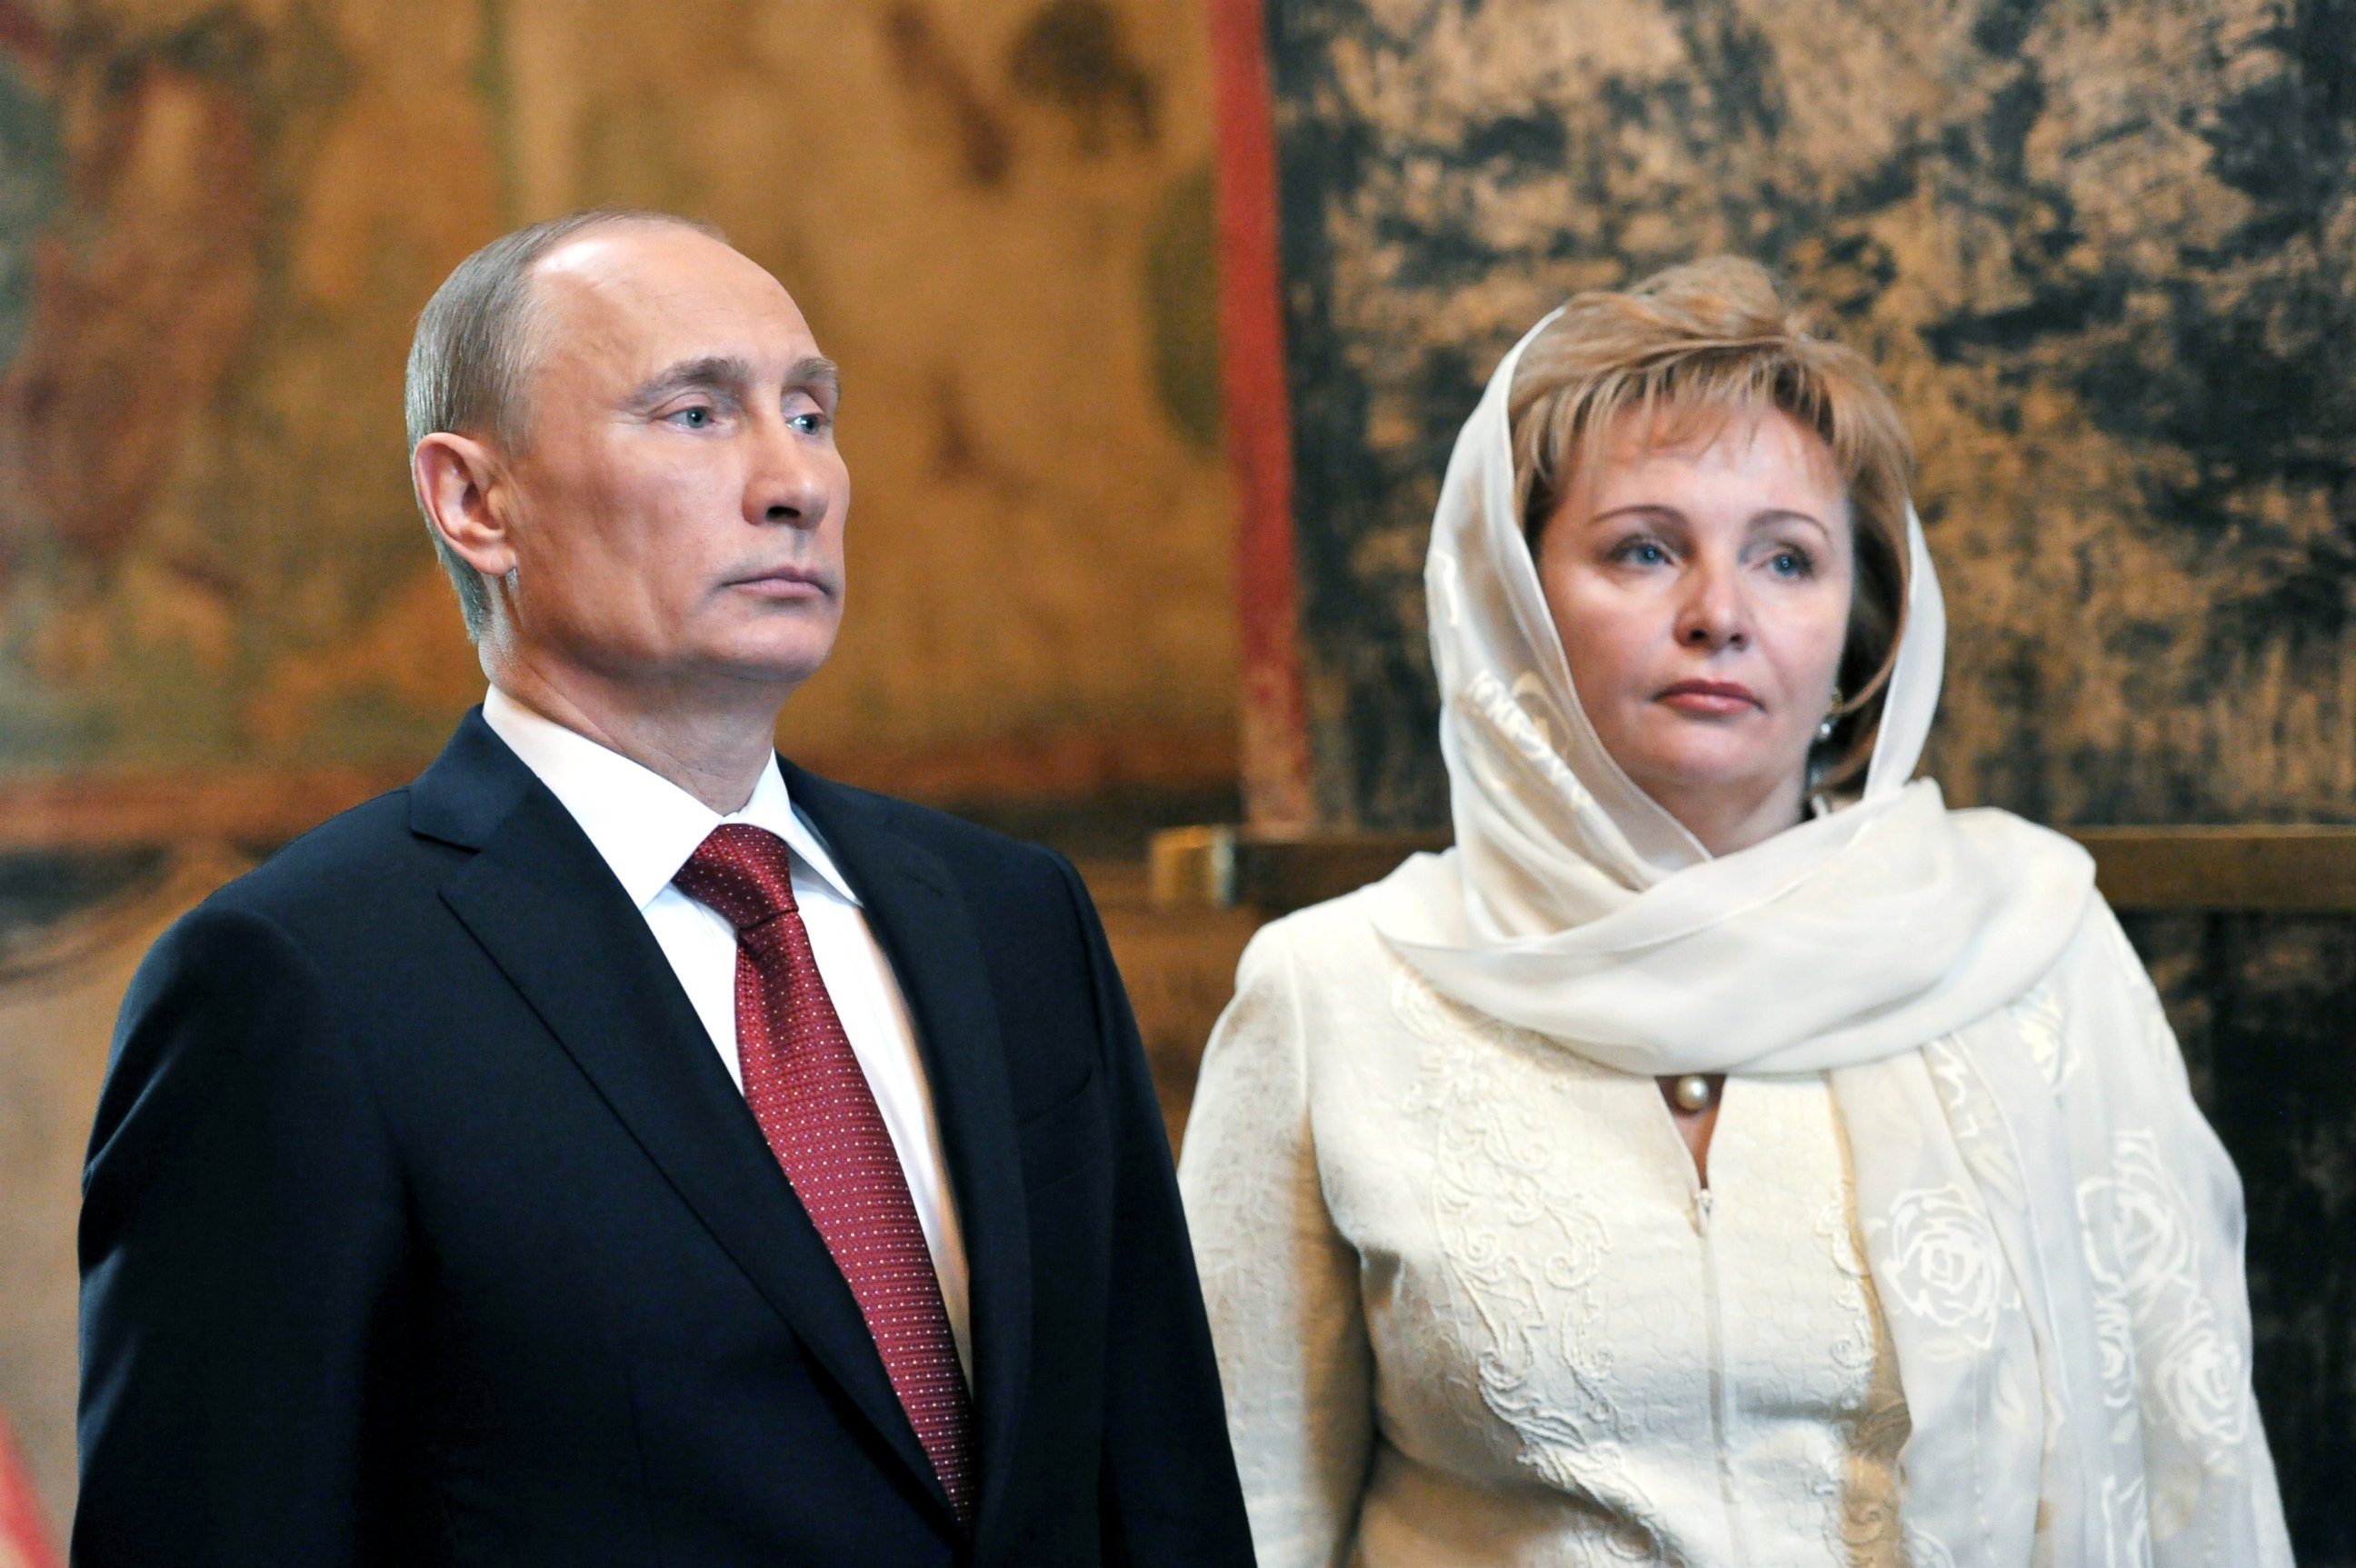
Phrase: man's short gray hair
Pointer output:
(470, 364)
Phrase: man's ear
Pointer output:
(456, 476)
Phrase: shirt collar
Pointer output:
(642, 824)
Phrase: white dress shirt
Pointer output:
(646, 827)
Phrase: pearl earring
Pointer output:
(1824, 730)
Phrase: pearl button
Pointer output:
(1692, 1092)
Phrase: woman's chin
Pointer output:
(1723, 776)
(1711, 795)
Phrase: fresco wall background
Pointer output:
(219, 220)
(2106, 256)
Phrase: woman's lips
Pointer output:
(1709, 699)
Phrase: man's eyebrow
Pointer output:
(818, 375)
(722, 373)
(727, 374)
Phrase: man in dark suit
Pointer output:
(621, 1146)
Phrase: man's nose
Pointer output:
(1713, 611)
(787, 482)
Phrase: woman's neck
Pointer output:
(1729, 822)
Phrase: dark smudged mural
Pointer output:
(2106, 257)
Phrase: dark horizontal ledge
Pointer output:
(2279, 870)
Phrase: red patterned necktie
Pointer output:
(815, 1107)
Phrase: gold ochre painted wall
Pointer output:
(217, 223)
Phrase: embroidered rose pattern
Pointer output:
(2147, 1255)
(1943, 1263)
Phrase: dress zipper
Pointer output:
(1705, 1206)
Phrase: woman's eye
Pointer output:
(1642, 552)
(1791, 563)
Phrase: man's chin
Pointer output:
(771, 662)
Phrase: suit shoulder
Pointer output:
(968, 848)
(366, 854)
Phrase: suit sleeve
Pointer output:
(243, 1241)
(1168, 1493)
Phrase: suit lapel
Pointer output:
(543, 905)
(926, 932)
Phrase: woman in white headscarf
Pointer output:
(1726, 1154)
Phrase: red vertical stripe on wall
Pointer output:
(1259, 423)
(24, 1539)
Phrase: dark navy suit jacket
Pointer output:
(423, 1225)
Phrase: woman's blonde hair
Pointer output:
(1681, 351)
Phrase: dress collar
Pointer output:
(644, 825)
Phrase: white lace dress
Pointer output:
(1472, 1306)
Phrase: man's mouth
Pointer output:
(785, 582)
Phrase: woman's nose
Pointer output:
(1712, 613)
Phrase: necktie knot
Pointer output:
(742, 873)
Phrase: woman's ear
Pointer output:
(460, 481)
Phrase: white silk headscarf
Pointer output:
(1871, 942)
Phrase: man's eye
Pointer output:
(698, 418)
(813, 424)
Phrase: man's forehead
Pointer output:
(655, 292)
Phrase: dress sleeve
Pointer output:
(2171, 1255)
(1280, 1282)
